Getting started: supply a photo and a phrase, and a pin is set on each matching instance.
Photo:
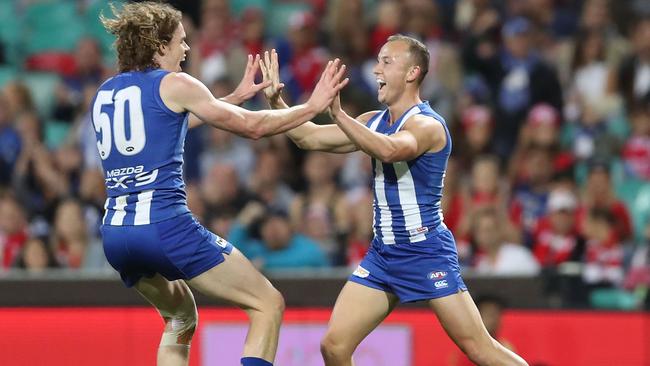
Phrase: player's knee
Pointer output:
(180, 325)
(474, 350)
(334, 349)
(275, 303)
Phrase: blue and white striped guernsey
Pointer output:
(407, 194)
(140, 142)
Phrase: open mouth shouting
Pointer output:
(381, 83)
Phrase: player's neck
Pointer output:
(400, 107)
(165, 64)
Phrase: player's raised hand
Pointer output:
(247, 87)
(271, 72)
(335, 108)
(328, 86)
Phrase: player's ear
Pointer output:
(413, 73)
(163, 49)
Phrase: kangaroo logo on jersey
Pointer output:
(221, 242)
(361, 272)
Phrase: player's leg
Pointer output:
(236, 280)
(461, 320)
(176, 305)
(358, 310)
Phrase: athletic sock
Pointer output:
(254, 361)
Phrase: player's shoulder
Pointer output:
(365, 117)
(425, 121)
(179, 86)
(178, 80)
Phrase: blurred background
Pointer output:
(547, 191)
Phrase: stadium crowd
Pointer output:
(548, 102)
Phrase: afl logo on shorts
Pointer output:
(361, 272)
(436, 275)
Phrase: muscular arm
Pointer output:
(418, 135)
(330, 138)
(246, 89)
(194, 121)
(181, 92)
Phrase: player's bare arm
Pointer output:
(308, 136)
(181, 92)
(420, 134)
(246, 89)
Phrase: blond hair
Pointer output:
(141, 29)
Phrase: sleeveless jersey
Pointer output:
(407, 193)
(140, 142)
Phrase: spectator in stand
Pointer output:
(19, 99)
(361, 231)
(222, 190)
(36, 256)
(71, 241)
(320, 212)
(9, 144)
(638, 275)
(266, 238)
(305, 57)
(92, 194)
(218, 33)
(530, 190)
(266, 184)
(518, 78)
(252, 31)
(636, 150)
(453, 200)
(223, 147)
(477, 128)
(486, 190)
(556, 238)
(87, 69)
(589, 77)
(592, 139)
(342, 21)
(13, 230)
(495, 256)
(541, 130)
(596, 17)
(604, 252)
(390, 20)
(633, 78)
(443, 81)
(36, 181)
(599, 194)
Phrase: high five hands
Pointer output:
(247, 87)
(325, 92)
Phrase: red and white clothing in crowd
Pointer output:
(10, 246)
(603, 261)
(552, 248)
(636, 155)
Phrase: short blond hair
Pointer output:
(418, 51)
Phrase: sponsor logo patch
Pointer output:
(419, 230)
(441, 284)
(436, 275)
(361, 272)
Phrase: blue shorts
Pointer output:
(413, 271)
(177, 248)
